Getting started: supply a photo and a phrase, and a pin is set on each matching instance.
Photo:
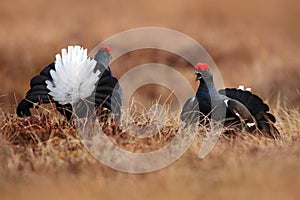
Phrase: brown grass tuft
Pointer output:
(43, 151)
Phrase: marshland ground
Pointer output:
(253, 43)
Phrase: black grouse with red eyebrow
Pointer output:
(240, 106)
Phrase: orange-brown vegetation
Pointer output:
(254, 43)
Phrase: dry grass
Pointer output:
(42, 157)
(253, 43)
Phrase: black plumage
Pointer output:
(265, 120)
(234, 106)
(107, 93)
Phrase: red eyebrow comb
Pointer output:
(106, 47)
(202, 67)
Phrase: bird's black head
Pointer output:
(103, 55)
(105, 49)
(202, 71)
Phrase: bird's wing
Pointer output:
(240, 111)
(190, 111)
(47, 69)
(109, 93)
(38, 92)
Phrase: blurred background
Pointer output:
(254, 43)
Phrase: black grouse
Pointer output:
(75, 79)
(236, 106)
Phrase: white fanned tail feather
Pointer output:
(241, 87)
(74, 77)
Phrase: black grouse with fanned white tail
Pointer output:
(74, 80)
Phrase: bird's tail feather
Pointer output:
(38, 92)
(256, 106)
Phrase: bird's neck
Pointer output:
(105, 62)
(103, 58)
(207, 90)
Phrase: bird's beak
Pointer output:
(198, 75)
